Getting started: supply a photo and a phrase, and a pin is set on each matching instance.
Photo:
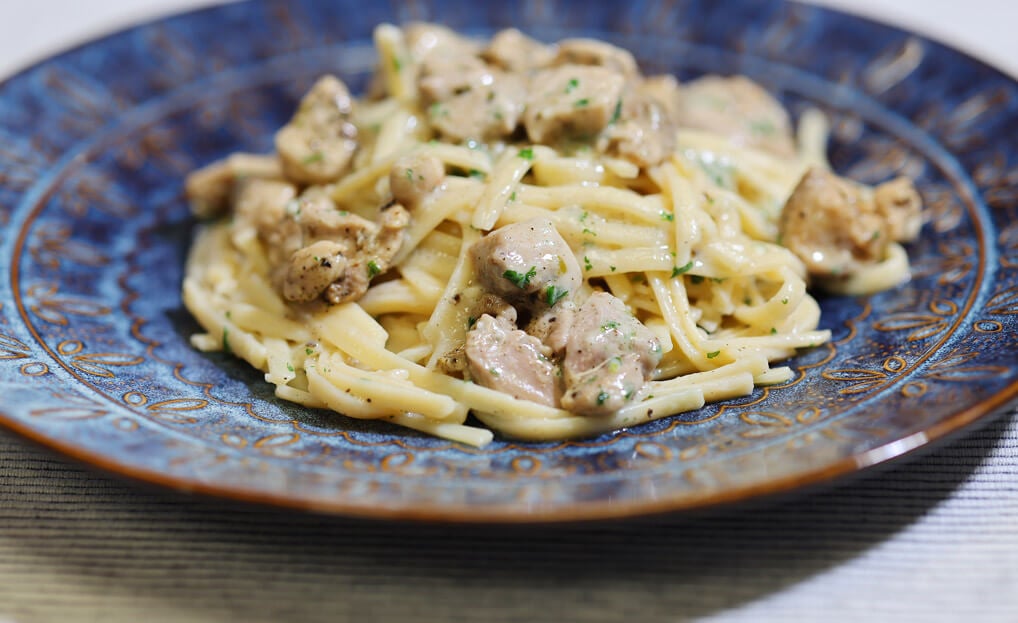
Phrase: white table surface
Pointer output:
(932, 540)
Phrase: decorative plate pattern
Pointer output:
(94, 357)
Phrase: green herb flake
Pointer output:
(308, 350)
(612, 267)
(512, 197)
(784, 301)
(471, 321)
(571, 86)
(713, 354)
(678, 270)
(586, 263)
(617, 113)
(477, 174)
(695, 279)
(608, 326)
(602, 397)
(553, 294)
(373, 269)
(410, 174)
(614, 364)
(668, 216)
(773, 330)
(521, 280)
(581, 103)
(289, 366)
(587, 230)
(226, 340)
(747, 301)
(397, 65)
(762, 127)
(313, 158)
(527, 153)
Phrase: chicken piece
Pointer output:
(836, 226)
(467, 99)
(210, 188)
(313, 269)
(359, 249)
(739, 109)
(596, 53)
(608, 357)
(503, 358)
(900, 205)
(644, 133)
(571, 101)
(413, 177)
(424, 39)
(513, 51)
(665, 89)
(316, 146)
(527, 262)
(552, 326)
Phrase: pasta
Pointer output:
(366, 266)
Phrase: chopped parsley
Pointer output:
(617, 113)
(773, 330)
(553, 294)
(587, 230)
(396, 63)
(313, 158)
(678, 270)
(614, 364)
(512, 197)
(289, 366)
(477, 174)
(471, 321)
(580, 103)
(527, 153)
(784, 301)
(586, 263)
(308, 350)
(373, 269)
(612, 267)
(226, 340)
(571, 86)
(608, 326)
(713, 354)
(668, 216)
(521, 280)
(602, 397)
(695, 279)
(410, 174)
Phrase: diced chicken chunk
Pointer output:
(351, 250)
(571, 100)
(412, 178)
(424, 39)
(503, 358)
(900, 205)
(313, 269)
(513, 51)
(317, 144)
(528, 262)
(644, 133)
(608, 357)
(552, 326)
(836, 226)
(467, 99)
(596, 53)
(740, 110)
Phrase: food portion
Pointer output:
(535, 235)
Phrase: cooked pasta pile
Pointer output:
(687, 241)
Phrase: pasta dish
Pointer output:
(531, 239)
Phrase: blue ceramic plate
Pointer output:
(94, 356)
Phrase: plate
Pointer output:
(94, 353)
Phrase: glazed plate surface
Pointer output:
(94, 352)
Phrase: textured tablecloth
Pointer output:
(930, 539)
